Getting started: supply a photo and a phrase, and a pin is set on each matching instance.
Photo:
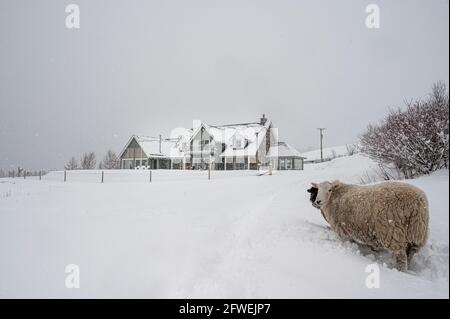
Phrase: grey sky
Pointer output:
(148, 66)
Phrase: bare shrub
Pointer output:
(352, 149)
(72, 164)
(414, 140)
(381, 173)
(88, 161)
(111, 161)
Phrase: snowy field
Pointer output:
(236, 235)
(328, 153)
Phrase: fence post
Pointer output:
(40, 175)
(209, 172)
(150, 175)
(103, 174)
(24, 174)
(65, 175)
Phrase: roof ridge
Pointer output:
(237, 124)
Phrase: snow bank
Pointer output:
(236, 235)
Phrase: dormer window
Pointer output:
(239, 143)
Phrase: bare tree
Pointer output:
(111, 161)
(72, 164)
(88, 161)
(414, 140)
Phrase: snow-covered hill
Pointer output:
(236, 235)
(328, 153)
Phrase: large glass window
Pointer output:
(127, 164)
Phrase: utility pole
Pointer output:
(321, 129)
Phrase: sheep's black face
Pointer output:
(313, 195)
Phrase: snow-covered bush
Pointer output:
(414, 140)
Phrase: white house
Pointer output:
(223, 147)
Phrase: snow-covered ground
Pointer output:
(328, 153)
(236, 235)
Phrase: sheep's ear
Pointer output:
(334, 185)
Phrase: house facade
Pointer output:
(219, 147)
(148, 152)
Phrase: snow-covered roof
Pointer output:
(224, 133)
(252, 134)
(283, 149)
(151, 145)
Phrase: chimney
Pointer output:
(160, 142)
(263, 120)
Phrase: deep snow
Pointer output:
(236, 235)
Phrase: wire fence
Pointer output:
(140, 176)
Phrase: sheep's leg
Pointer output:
(402, 260)
(410, 253)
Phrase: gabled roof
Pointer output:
(224, 134)
(252, 132)
(283, 149)
(150, 145)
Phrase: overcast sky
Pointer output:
(145, 67)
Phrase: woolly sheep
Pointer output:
(388, 215)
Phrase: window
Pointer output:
(239, 143)
(297, 163)
(288, 163)
(127, 164)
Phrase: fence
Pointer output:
(23, 174)
(142, 176)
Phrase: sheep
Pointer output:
(387, 215)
